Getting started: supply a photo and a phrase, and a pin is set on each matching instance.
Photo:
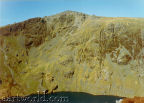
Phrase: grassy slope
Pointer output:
(73, 52)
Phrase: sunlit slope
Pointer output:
(72, 51)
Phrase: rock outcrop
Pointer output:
(133, 100)
(73, 51)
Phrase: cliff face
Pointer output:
(72, 51)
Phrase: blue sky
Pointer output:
(12, 11)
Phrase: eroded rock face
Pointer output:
(72, 51)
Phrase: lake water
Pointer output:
(63, 97)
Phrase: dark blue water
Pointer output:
(63, 97)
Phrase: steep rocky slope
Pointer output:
(72, 51)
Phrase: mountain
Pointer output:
(73, 52)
